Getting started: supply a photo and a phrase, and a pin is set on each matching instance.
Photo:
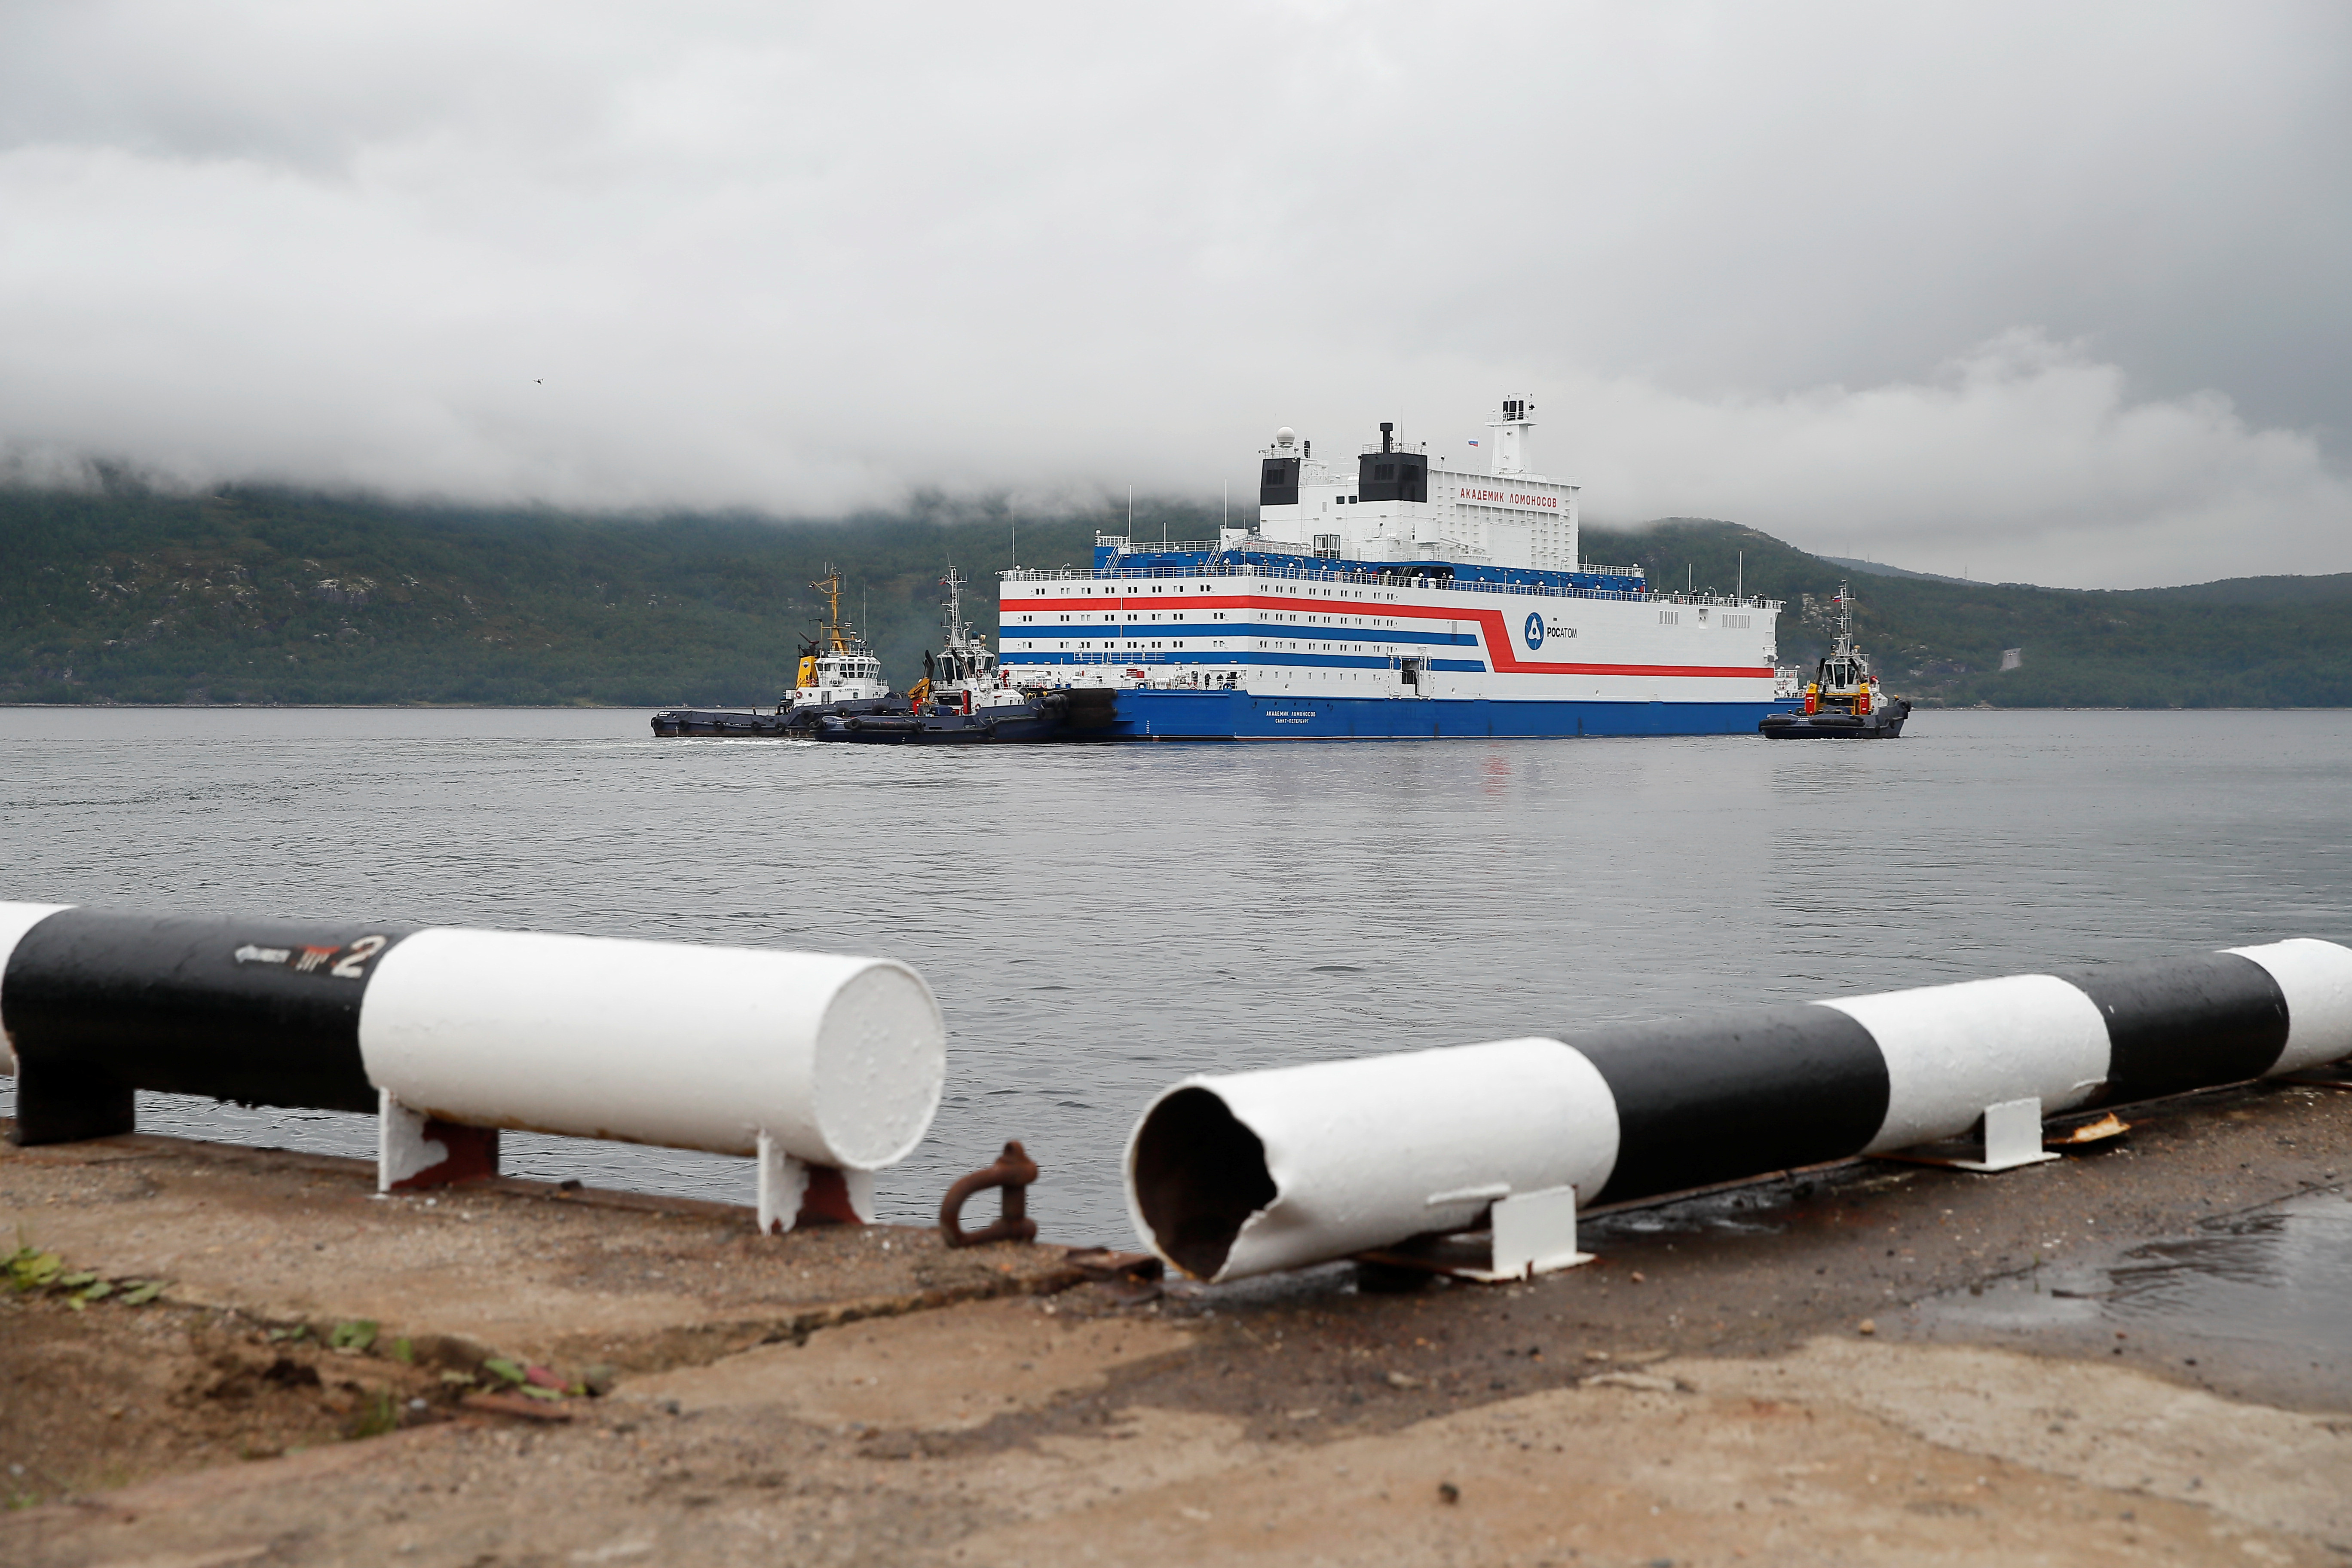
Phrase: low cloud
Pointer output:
(2024, 460)
(807, 260)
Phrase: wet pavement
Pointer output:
(2265, 1294)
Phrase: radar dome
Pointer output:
(1285, 436)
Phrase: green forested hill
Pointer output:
(268, 596)
(2249, 642)
(264, 595)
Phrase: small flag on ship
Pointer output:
(1474, 443)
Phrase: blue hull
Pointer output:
(1151, 715)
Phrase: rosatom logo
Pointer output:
(1535, 629)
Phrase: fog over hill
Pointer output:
(2002, 291)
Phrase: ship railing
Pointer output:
(1396, 579)
(1166, 547)
(1109, 657)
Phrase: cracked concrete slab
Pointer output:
(952, 1369)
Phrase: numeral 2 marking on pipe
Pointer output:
(352, 965)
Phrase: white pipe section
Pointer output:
(1952, 1050)
(839, 1060)
(2316, 978)
(15, 920)
(1365, 1152)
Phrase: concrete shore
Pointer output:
(1757, 1377)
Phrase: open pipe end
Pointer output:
(1195, 1176)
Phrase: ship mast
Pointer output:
(968, 656)
(830, 587)
(1844, 655)
(959, 630)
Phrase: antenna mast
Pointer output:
(830, 587)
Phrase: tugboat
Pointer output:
(963, 699)
(838, 677)
(1844, 699)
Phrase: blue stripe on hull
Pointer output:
(1149, 715)
(1196, 632)
(1222, 660)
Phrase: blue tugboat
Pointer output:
(1843, 700)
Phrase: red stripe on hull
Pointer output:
(1497, 636)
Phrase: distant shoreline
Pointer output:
(274, 598)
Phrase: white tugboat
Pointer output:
(1844, 699)
(839, 676)
(839, 671)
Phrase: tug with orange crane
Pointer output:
(965, 698)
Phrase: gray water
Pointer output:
(1101, 921)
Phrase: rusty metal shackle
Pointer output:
(1013, 1171)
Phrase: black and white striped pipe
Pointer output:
(1241, 1173)
(802, 1059)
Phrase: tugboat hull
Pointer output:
(1054, 716)
(1006, 726)
(795, 724)
(1885, 724)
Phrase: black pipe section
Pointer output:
(263, 1012)
(1714, 1100)
(2184, 1022)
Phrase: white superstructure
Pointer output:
(1403, 577)
(1392, 502)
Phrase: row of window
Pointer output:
(1112, 590)
(1220, 615)
(1722, 623)
(1220, 642)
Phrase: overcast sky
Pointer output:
(2054, 293)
